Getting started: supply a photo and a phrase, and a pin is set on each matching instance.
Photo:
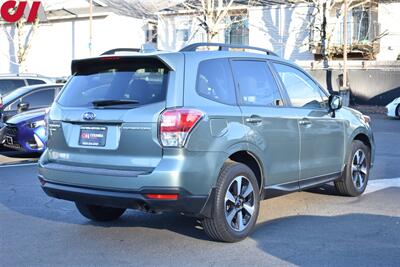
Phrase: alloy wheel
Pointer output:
(359, 169)
(239, 203)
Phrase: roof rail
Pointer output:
(225, 47)
(116, 50)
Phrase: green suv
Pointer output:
(203, 133)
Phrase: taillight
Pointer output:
(176, 124)
(1, 101)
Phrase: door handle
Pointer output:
(254, 119)
(304, 122)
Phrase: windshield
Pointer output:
(137, 84)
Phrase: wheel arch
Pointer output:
(363, 138)
(366, 138)
(252, 161)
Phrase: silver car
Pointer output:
(207, 134)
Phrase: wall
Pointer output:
(283, 29)
(375, 86)
(389, 20)
(280, 28)
(56, 43)
(169, 25)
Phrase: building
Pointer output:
(293, 31)
(66, 36)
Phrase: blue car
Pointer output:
(26, 132)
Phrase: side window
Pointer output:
(8, 85)
(42, 98)
(255, 83)
(215, 81)
(302, 91)
(35, 81)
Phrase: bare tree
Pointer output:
(330, 15)
(217, 15)
(20, 37)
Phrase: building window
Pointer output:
(151, 33)
(358, 27)
(361, 18)
(182, 35)
(237, 31)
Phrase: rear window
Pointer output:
(144, 83)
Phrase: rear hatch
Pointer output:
(107, 114)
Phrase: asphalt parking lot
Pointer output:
(313, 228)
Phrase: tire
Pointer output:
(355, 177)
(398, 111)
(99, 213)
(241, 210)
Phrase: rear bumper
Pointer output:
(185, 203)
(195, 172)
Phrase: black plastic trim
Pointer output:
(186, 203)
(287, 188)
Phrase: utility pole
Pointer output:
(323, 36)
(345, 28)
(90, 26)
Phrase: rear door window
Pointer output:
(38, 99)
(143, 83)
(8, 85)
(255, 82)
(215, 81)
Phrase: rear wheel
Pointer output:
(236, 204)
(99, 213)
(398, 111)
(355, 178)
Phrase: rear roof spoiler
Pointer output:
(118, 50)
(80, 65)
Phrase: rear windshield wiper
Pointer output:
(107, 103)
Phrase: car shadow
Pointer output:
(325, 189)
(345, 240)
(28, 199)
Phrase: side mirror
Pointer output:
(335, 102)
(23, 106)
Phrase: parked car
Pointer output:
(26, 98)
(393, 108)
(204, 133)
(26, 132)
(10, 82)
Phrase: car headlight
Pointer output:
(36, 124)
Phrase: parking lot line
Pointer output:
(18, 165)
(375, 185)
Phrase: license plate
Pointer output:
(93, 136)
